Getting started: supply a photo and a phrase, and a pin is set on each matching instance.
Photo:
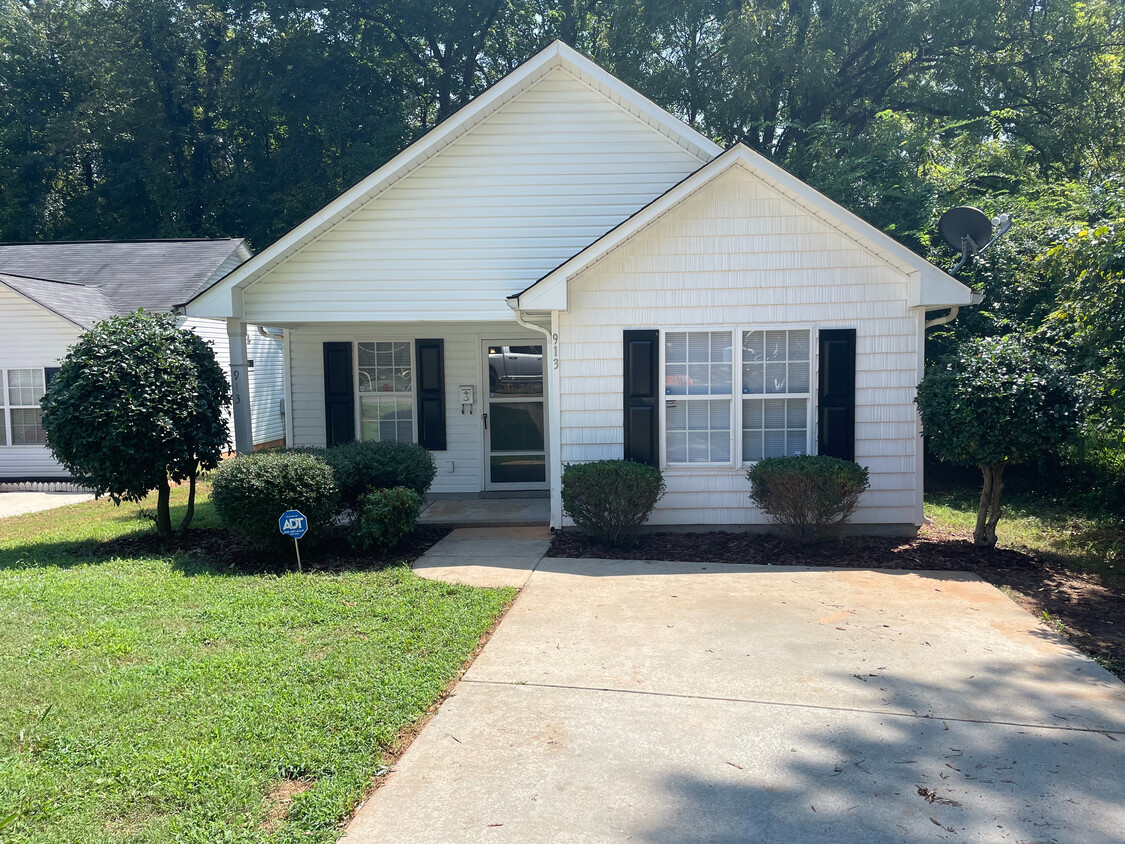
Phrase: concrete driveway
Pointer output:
(669, 702)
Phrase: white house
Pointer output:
(562, 271)
(51, 292)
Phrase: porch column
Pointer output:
(240, 386)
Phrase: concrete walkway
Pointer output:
(492, 557)
(669, 702)
(17, 503)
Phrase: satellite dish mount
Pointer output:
(969, 231)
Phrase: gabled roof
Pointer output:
(86, 281)
(931, 287)
(556, 55)
(76, 303)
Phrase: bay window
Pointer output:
(386, 398)
(772, 371)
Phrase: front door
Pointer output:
(514, 418)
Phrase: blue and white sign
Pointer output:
(293, 523)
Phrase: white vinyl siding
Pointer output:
(31, 337)
(736, 255)
(512, 198)
(463, 366)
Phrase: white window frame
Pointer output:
(6, 407)
(409, 341)
(737, 460)
(810, 395)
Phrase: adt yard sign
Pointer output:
(293, 523)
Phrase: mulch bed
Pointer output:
(1090, 607)
(217, 549)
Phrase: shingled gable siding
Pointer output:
(464, 431)
(508, 201)
(738, 254)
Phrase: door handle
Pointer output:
(484, 416)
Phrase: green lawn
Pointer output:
(1081, 541)
(157, 700)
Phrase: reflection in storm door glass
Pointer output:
(515, 370)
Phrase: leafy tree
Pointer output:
(996, 401)
(136, 404)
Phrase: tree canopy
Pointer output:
(137, 403)
(179, 118)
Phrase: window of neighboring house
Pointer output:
(776, 377)
(21, 420)
(698, 373)
(386, 397)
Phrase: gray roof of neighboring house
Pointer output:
(84, 282)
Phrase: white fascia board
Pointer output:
(557, 54)
(929, 286)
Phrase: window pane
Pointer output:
(675, 348)
(699, 379)
(776, 382)
(776, 345)
(27, 427)
(720, 346)
(675, 380)
(786, 357)
(721, 379)
(25, 387)
(516, 426)
(697, 431)
(753, 346)
(384, 367)
(699, 347)
(386, 417)
(798, 345)
(517, 468)
(773, 428)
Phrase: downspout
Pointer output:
(272, 333)
(551, 376)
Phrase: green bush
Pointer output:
(810, 497)
(607, 498)
(363, 466)
(384, 517)
(252, 491)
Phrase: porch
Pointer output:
(471, 511)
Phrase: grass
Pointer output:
(1065, 533)
(157, 699)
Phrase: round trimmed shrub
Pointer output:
(252, 491)
(384, 517)
(608, 498)
(810, 497)
(363, 466)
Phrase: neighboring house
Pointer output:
(51, 292)
(562, 272)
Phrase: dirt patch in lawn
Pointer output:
(1088, 609)
(215, 548)
(275, 808)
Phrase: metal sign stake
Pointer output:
(297, 548)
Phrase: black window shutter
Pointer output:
(430, 392)
(642, 362)
(49, 374)
(339, 394)
(836, 394)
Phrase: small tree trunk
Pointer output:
(988, 511)
(163, 513)
(190, 514)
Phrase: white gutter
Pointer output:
(956, 309)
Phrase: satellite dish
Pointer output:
(962, 222)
